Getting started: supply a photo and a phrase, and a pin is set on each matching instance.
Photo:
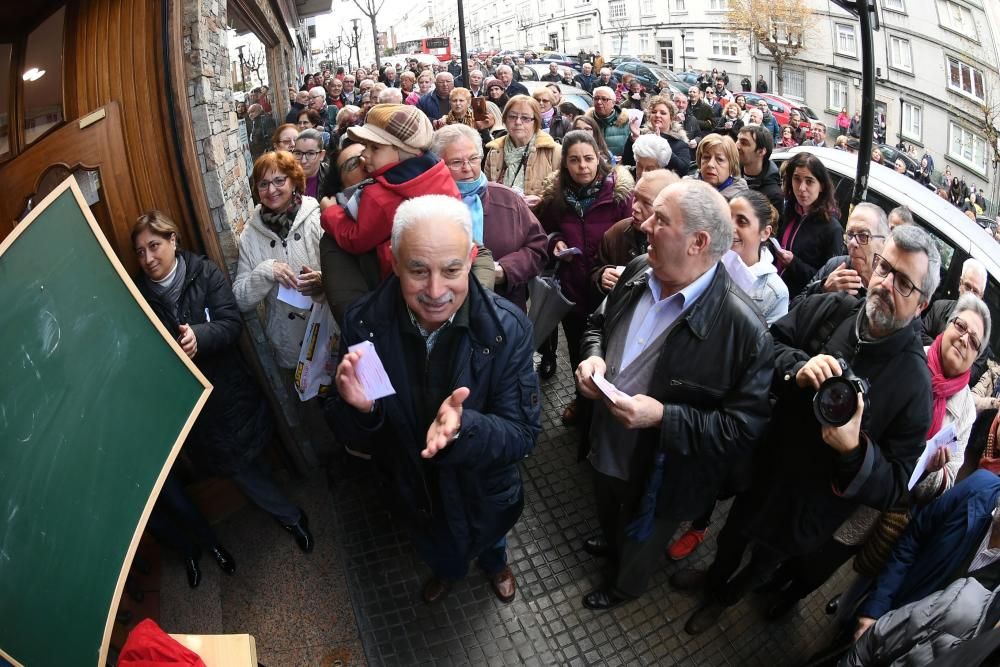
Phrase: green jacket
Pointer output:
(615, 128)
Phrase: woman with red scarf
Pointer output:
(950, 360)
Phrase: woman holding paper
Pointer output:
(279, 254)
(581, 201)
(192, 298)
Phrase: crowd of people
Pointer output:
(714, 299)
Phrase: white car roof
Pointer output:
(924, 203)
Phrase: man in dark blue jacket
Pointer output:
(466, 407)
(940, 545)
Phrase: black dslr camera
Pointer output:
(836, 400)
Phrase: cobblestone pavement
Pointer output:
(546, 623)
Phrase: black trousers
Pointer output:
(632, 563)
(724, 584)
(176, 523)
(810, 571)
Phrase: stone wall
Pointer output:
(213, 112)
(227, 183)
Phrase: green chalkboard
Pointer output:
(95, 401)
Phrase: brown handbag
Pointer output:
(989, 460)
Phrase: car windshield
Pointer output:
(808, 113)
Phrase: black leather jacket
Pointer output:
(712, 376)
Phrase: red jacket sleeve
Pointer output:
(371, 228)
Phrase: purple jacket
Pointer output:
(515, 238)
(613, 203)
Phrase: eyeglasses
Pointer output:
(308, 155)
(901, 283)
(861, 237)
(962, 327)
(350, 164)
(287, 143)
(459, 163)
(520, 118)
(970, 287)
(277, 181)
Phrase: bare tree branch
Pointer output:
(780, 26)
(371, 11)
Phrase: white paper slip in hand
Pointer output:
(294, 298)
(371, 373)
(946, 438)
(613, 393)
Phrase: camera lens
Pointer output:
(836, 401)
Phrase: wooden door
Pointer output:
(92, 148)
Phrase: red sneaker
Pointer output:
(686, 543)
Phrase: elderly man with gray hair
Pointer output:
(865, 235)
(466, 407)
(691, 363)
(935, 319)
(819, 467)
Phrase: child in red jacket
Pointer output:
(396, 139)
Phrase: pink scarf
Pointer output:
(942, 388)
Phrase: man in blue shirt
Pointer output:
(691, 362)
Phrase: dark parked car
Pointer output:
(889, 155)
(615, 61)
(648, 75)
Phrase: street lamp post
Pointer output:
(243, 78)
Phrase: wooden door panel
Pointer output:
(99, 145)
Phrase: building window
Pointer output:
(847, 42)
(583, 27)
(837, 95)
(967, 147)
(894, 5)
(913, 121)
(616, 10)
(689, 42)
(644, 44)
(680, 6)
(965, 78)
(646, 7)
(900, 55)
(795, 83)
(718, 5)
(619, 45)
(954, 16)
(724, 44)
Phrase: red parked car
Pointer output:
(782, 107)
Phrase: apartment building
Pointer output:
(936, 60)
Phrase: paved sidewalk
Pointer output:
(546, 624)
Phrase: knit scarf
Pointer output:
(281, 223)
(942, 388)
(581, 200)
(515, 162)
(472, 193)
(547, 118)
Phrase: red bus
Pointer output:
(435, 46)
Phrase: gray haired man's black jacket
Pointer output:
(712, 376)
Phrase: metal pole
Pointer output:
(867, 103)
(461, 44)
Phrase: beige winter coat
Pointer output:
(543, 159)
(260, 248)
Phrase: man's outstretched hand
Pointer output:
(447, 423)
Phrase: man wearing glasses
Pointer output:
(803, 507)
(865, 235)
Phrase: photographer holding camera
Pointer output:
(810, 477)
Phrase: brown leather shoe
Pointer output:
(435, 589)
(504, 585)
